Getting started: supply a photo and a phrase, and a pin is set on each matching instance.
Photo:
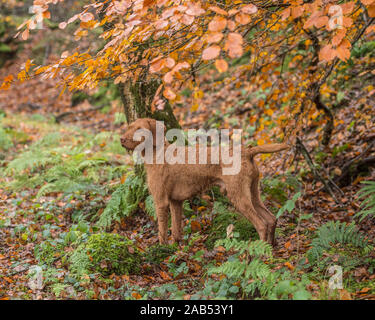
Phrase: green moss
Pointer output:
(223, 218)
(158, 253)
(106, 253)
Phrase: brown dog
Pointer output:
(171, 184)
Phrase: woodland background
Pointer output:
(76, 219)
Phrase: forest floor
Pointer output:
(42, 222)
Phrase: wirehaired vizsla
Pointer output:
(171, 184)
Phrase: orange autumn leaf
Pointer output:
(289, 265)
(348, 7)
(364, 290)
(214, 37)
(336, 40)
(169, 94)
(196, 226)
(221, 65)
(242, 18)
(234, 45)
(367, 2)
(249, 9)
(345, 295)
(217, 24)
(211, 52)
(371, 11)
(297, 11)
(136, 295)
(170, 63)
(157, 64)
(25, 34)
(165, 275)
(218, 10)
(327, 53)
(343, 50)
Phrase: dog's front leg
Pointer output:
(176, 212)
(162, 214)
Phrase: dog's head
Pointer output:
(127, 139)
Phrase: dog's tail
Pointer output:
(268, 148)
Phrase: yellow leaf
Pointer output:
(198, 94)
(194, 107)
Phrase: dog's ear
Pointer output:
(153, 123)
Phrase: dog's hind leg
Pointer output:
(243, 203)
(176, 212)
(261, 209)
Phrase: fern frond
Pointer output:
(368, 204)
(124, 200)
(333, 233)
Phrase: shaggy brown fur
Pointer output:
(171, 184)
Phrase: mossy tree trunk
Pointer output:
(137, 99)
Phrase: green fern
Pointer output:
(367, 193)
(150, 207)
(334, 234)
(253, 274)
(257, 248)
(124, 200)
(5, 140)
(31, 160)
(54, 168)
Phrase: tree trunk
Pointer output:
(137, 99)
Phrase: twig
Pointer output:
(59, 117)
(317, 175)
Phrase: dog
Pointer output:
(171, 184)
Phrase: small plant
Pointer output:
(277, 188)
(367, 193)
(289, 205)
(5, 140)
(246, 266)
(125, 200)
(252, 276)
(340, 243)
(249, 274)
